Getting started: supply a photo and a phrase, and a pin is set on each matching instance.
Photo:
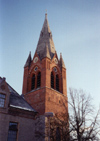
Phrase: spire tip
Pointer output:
(46, 14)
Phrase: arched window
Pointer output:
(33, 82)
(57, 82)
(52, 80)
(39, 79)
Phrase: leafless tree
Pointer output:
(59, 128)
(84, 121)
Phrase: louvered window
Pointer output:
(39, 79)
(52, 80)
(33, 82)
(57, 82)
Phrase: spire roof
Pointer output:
(29, 59)
(46, 28)
(46, 53)
(45, 41)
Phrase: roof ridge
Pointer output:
(12, 89)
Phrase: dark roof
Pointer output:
(17, 101)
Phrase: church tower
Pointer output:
(44, 80)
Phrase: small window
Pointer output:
(55, 69)
(52, 80)
(2, 100)
(13, 129)
(39, 80)
(57, 82)
(33, 82)
(36, 68)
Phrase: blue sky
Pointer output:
(75, 25)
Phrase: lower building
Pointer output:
(17, 117)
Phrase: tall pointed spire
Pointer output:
(45, 39)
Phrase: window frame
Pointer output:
(52, 82)
(57, 82)
(36, 79)
(2, 100)
(55, 73)
(38, 83)
(11, 131)
(33, 79)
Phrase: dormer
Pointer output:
(4, 95)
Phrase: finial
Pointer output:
(60, 55)
(46, 14)
(4, 78)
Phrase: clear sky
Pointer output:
(75, 25)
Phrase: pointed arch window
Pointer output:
(57, 82)
(38, 79)
(33, 82)
(52, 80)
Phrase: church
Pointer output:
(44, 92)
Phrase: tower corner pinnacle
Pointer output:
(62, 61)
(28, 61)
